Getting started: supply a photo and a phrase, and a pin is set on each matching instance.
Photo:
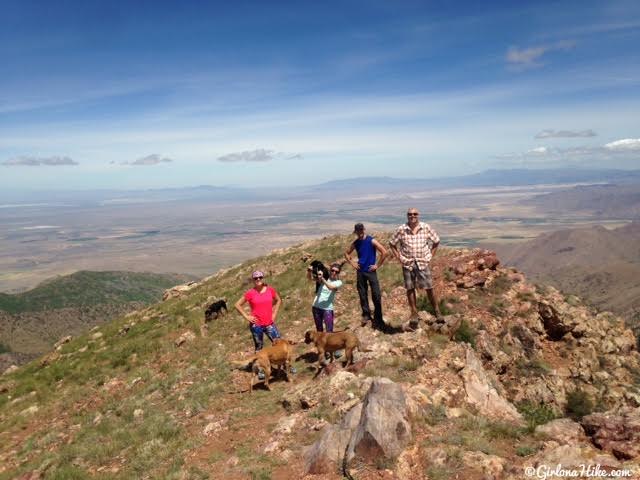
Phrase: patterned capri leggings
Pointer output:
(323, 318)
(257, 332)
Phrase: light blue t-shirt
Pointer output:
(324, 297)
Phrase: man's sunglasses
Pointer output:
(412, 214)
(335, 271)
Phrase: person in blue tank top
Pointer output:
(367, 247)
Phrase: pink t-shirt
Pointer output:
(261, 305)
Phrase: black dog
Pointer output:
(215, 309)
(318, 266)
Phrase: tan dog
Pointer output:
(280, 354)
(331, 342)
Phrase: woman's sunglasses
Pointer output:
(258, 278)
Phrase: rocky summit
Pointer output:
(519, 378)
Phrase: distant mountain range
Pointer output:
(32, 321)
(606, 201)
(488, 178)
(599, 265)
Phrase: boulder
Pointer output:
(329, 451)
(564, 431)
(491, 466)
(58, 345)
(187, 336)
(570, 458)
(178, 291)
(615, 432)
(384, 429)
(481, 394)
(10, 369)
(555, 324)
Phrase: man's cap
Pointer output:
(358, 227)
(257, 274)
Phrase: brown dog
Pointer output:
(331, 342)
(280, 354)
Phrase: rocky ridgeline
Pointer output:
(517, 376)
(530, 347)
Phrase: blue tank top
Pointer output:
(366, 252)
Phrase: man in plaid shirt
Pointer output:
(413, 244)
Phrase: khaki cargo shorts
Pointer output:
(417, 278)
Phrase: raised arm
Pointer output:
(309, 273)
(326, 282)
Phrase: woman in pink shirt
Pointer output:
(265, 303)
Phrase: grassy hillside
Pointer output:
(87, 288)
(125, 401)
(31, 322)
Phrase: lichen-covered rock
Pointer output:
(482, 394)
(186, 337)
(328, 452)
(179, 291)
(384, 429)
(615, 432)
(564, 431)
(491, 466)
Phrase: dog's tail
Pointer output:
(245, 364)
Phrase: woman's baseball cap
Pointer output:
(257, 274)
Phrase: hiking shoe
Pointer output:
(293, 370)
(440, 319)
(337, 354)
(364, 320)
(261, 375)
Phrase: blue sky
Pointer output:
(154, 94)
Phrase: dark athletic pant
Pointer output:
(364, 279)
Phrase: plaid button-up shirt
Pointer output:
(414, 248)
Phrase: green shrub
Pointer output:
(533, 368)
(535, 414)
(526, 450)
(578, 404)
(434, 414)
(497, 308)
(500, 284)
(424, 304)
(466, 334)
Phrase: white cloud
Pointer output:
(153, 159)
(39, 161)
(524, 58)
(551, 133)
(538, 151)
(624, 145)
(616, 149)
(259, 155)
